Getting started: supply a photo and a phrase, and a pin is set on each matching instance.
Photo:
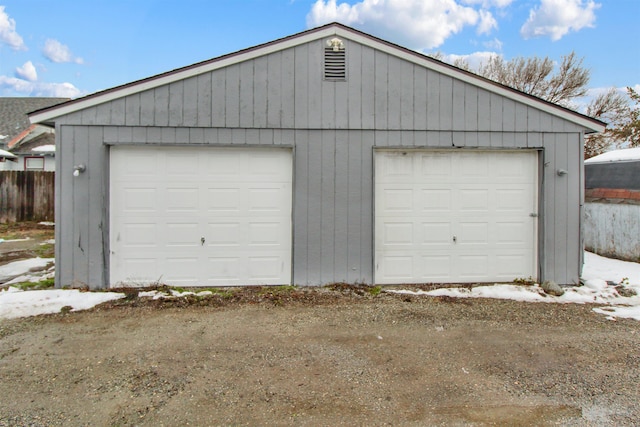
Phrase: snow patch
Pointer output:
(17, 303)
(18, 268)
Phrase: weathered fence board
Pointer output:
(613, 230)
(26, 196)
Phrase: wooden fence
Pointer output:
(26, 196)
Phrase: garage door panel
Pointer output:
(398, 233)
(512, 233)
(399, 199)
(436, 199)
(472, 233)
(139, 199)
(473, 199)
(217, 223)
(472, 267)
(469, 211)
(182, 199)
(139, 235)
(436, 233)
(396, 268)
(223, 199)
(182, 234)
(435, 268)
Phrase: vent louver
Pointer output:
(335, 66)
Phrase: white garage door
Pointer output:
(455, 216)
(193, 216)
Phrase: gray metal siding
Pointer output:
(282, 99)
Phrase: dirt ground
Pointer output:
(325, 356)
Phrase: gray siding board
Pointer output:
(367, 84)
(274, 96)
(313, 220)
(394, 89)
(328, 193)
(147, 108)
(354, 88)
(81, 202)
(204, 100)
(287, 90)
(366, 209)
(190, 102)
(470, 107)
(354, 207)
(446, 103)
(218, 91)
(96, 247)
(574, 214)
(260, 103)
(301, 87)
(407, 102)
(433, 100)
(508, 115)
(161, 106)
(341, 203)
(314, 86)
(132, 110)
(484, 110)
(246, 95)
(300, 208)
(231, 97)
(176, 103)
(459, 121)
(381, 101)
(118, 112)
(496, 112)
(420, 98)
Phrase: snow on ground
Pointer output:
(597, 272)
(16, 303)
(17, 268)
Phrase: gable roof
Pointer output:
(46, 115)
(13, 114)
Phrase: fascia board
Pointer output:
(171, 77)
(331, 30)
(496, 88)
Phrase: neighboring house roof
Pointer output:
(36, 145)
(624, 155)
(47, 114)
(618, 169)
(13, 115)
(7, 155)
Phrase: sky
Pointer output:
(71, 48)
(597, 270)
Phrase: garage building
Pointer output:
(327, 156)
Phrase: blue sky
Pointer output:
(72, 47)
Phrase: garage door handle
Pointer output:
(202, 241)
(455, 239)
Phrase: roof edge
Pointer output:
(45, 115)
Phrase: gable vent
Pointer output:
(335, 65)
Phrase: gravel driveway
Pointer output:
(327, 356)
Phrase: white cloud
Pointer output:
(418, 24)
(30, 88)
(494, 44)
(489, 3)
(27, 72)
(55, 51)
(487, 22)
(555, 18)
(8, 34)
